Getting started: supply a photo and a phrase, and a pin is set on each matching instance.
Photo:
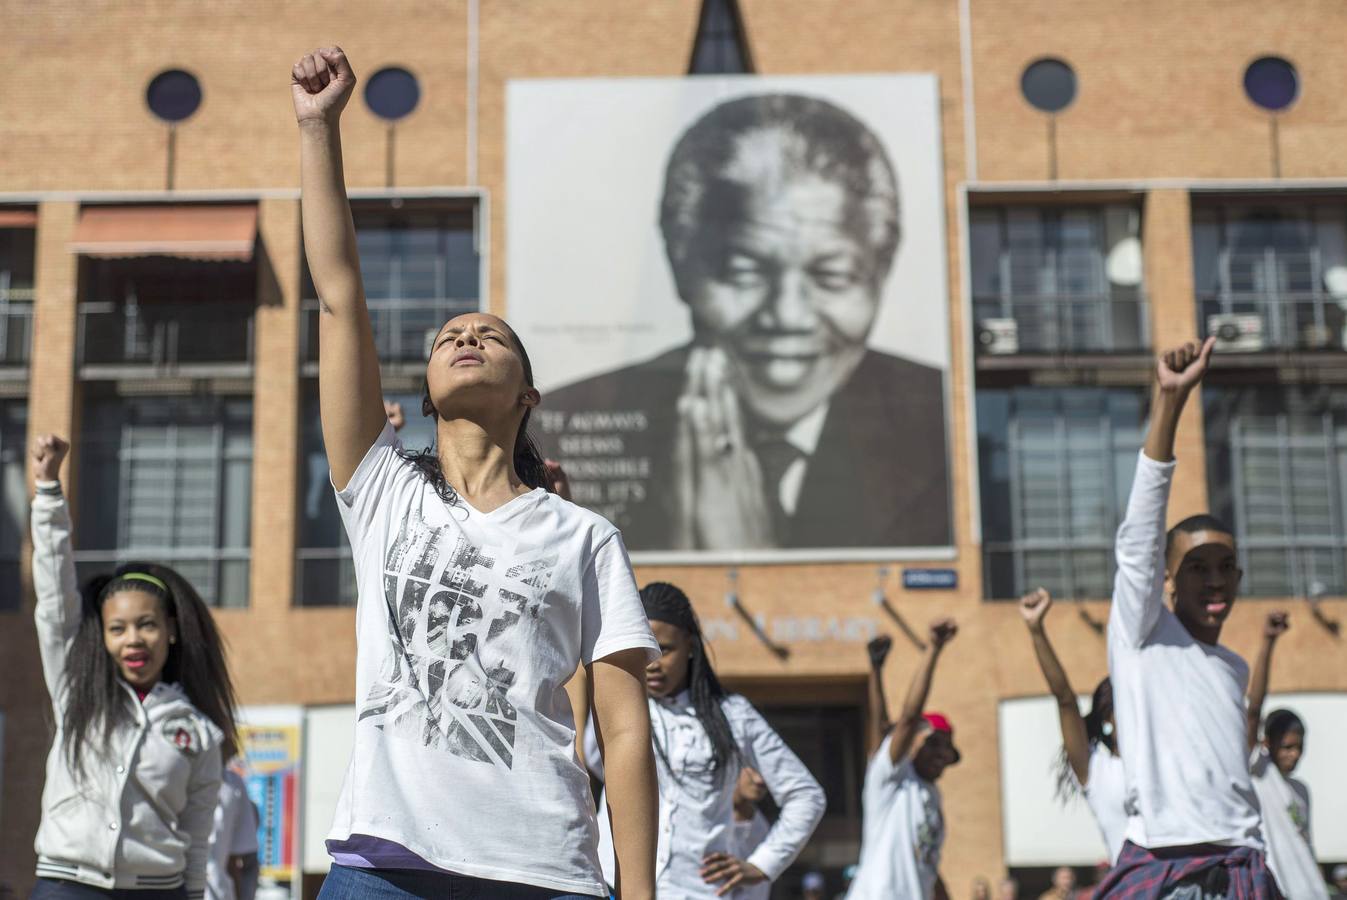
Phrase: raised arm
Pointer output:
(878, 651)
(350, 394)
(1274, 627)
(622, 721)
(57, 613)
(908, 724)
(1034, 607)
(1138, 588)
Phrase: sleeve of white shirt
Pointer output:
(198, 818)
(244, 839)
(57, 612)
(612, 617)
(359, 499)
(1138, 589)
(795, 791)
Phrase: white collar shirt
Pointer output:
(696, 812)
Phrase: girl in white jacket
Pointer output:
(144, 710)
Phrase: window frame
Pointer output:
(171, 459)
(1105, 302)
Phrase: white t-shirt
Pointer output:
(1106, 793)
(464, 747)
(748, 834)
(234, 834)
(1286, 828)
(902, 832)
(1178, 703)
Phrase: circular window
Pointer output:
(173, 95)
(392, 93)
(1049, 85)
(1272, 83)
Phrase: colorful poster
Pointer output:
(271, 752)
(734, 294)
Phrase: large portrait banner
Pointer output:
(733, 292)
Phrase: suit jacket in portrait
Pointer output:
(878, 477)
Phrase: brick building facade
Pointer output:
(1160, 128)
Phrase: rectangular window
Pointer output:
(1056, 468)
(1057, 279)
(168, 479)
(17, 250)
(13, 498)
(1277, 473)
(421, 267)
(166, 312)
(1271, 276)
(325, 574)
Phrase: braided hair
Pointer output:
(666, 603)
(1096, 732)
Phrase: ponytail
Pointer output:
(1097, 731)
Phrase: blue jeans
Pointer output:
(349, 883)
(58, 889)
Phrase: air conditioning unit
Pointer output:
(998, 336)
(1237, 332)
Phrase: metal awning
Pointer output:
(18, 218)
(218, 233)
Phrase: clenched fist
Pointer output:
(942, 632)
(48, 452)
(320, 84)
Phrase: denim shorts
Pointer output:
(350, 883)
(58, 889)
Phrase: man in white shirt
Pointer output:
(231, 869)
(903, 822)
(1195, 829)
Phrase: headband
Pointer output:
(141, 576)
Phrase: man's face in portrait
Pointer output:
(781, 278)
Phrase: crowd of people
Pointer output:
(531, 724)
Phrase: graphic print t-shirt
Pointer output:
(902, 832)
(1286, 828)
(468, 625)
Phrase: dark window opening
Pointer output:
(165, 311)
(721, 45)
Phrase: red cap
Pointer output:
(938, 722)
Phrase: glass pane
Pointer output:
(234, 583)
(1065, 458)
(161, 486)
(13, 498)
(984, 248)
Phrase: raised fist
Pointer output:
(1181, 368)
(48, 452)
(942, 632)
(1034, 607)
(320, 84)
(879, 648)
(1276, 625)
